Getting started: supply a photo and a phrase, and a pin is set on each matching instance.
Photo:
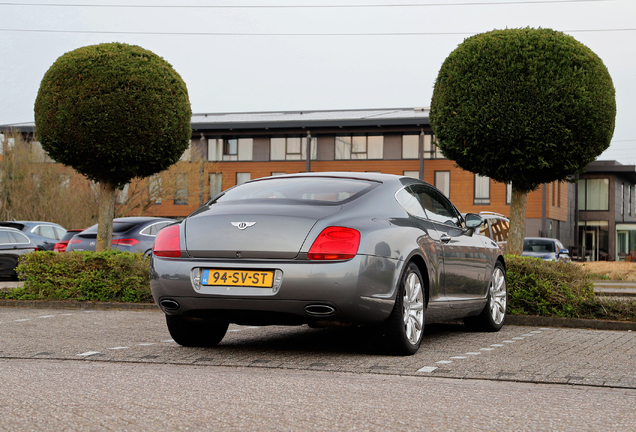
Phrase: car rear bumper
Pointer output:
(360, 290)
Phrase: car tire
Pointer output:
(195, 332)
(493, 317)
(403, 330)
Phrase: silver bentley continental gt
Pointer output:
(378, 250)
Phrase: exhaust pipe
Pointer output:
(169, 305)
(320, 310)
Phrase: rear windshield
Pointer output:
(542, 246)
(308, 189)
(118, 227)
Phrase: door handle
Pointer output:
(445, 238)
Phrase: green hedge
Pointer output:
(109, 276)
(535, 287)
(558, 289)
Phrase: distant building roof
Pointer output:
(292, 119)
(295, 119)
(612, 167)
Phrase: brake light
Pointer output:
(167, 243)
(74, 241)
(125, 242)
(335, 243)
(60, 246)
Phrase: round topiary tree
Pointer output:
(523, 106)
(113, 112)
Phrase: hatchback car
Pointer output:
(131, 234)
(13, 243)
(43, 234)
(63, 243)
(386, 251)
(548, 249)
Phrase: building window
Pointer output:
(122, 195)
(242, 177)
(442, 182)
(154, 188)
(277, 173)
(622, 199)
(360, 147)
(181, 189)
(216, 184)
(629, 194)
(292, 148)
(232, 149)
(594, 194)
(482, 190)
(508, 193)
(411, 147)
(414, 174)
(187, 154)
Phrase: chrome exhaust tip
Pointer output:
(320, 310)
(169, 305)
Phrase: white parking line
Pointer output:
(428, 369)
(46, 316)
(117, 348)
(146, 344)
(23, 319)
(88, 353)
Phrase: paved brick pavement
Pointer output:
(516, 353)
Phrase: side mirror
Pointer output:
(473, 220)
(564, 251)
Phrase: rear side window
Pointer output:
(153, 229)
(318, 190)
(7, 237)
(118, 227)
(4, 238)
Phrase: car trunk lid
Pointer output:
(257, 231)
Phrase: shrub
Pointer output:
(558, 289)
(109, 276)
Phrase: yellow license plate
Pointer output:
(247, 278)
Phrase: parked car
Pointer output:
(548, 249)
(63, 243)
(43, 234)
(132, 234)
(13, 243)
(328, 249)
(496, 226)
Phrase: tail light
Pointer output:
(125, 242)
(74, 241)
(60, 247)
(167, 243)
(335, 243)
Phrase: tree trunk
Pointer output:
(517, 221)
(107, 195)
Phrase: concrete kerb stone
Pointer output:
(53, 304)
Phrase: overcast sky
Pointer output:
(287, 55)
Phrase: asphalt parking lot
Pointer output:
(517, 353)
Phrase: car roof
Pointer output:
(540, 238)
(7, 228)
(376, 177)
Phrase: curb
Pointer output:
(520, 320)
(46, 304)
(527, 320)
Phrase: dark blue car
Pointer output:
(43, 234)
(132, 234)
(12, 244)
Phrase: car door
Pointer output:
(466, 262)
